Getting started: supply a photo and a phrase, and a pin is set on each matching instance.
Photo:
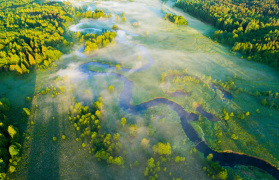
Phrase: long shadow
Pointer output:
(44, 156)
(16, 88)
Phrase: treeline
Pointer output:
(8, 3)
(9, 141)
(251, 27)
(93, 14)
(180, 20)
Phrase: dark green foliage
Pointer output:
(9, 138)
(4, 154)
(215, 168)
(180, 20)
(2, 166)
(251, 27)
(4, 105)
(3, 141)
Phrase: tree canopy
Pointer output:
(250, 26)
(180, 20)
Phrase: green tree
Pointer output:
(26, 112)
(14, 150)
(264, 102)
(162, 149)
(118, 67)
(111, 89)
(226, 117)
(123, 121)
(13, 132)
(209, 157)
(223, 174)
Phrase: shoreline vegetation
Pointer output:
(118, 122)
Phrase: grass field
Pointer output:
(171, 47)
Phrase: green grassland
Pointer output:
(49, 138)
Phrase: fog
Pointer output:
(144, 53)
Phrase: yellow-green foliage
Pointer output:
(100, 41)
(118, 67)
(92, 14)
(123, 121)
(88, 128)
(162, 149)
(111, 88)
(179, 159)
(33, 37)
(26, 112)
(14, 150)
(180, 20)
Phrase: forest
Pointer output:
(250, 27)
(36, 34)
(32, 34)
(121, 89)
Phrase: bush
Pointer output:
(264, 102)
(234, 137)
(28, 99)
(162, 149)
(26, 112)
(13, 132)
(14, 150)
(12, 169)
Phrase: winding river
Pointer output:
(224, 158)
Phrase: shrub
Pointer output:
(14, 150)
(12, 169)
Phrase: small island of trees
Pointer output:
(180, 20)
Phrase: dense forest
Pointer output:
(250, 26)
(31, 34)
(36, 34)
